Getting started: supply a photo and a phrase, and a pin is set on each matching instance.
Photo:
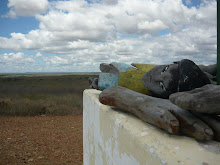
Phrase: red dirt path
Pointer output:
(41, 140)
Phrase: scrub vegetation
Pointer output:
(42, 95)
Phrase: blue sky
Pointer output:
(78, 35)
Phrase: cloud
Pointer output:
(38, 55)
(81, 35)
(26, 8)
(16, 58)
(16, 62)
(152, 27)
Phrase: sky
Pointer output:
(78, 35)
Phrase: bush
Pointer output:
(52, 95)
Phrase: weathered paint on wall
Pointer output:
(114, 137)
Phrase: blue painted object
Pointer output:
(107, 80)
(121, 66)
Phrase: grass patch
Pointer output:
(42, 95)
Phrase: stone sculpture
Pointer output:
(183, 81)
(204, 100)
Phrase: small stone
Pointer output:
(93, 83)
(21, 134)
(31, 160)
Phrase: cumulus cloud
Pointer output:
(38, 55)
(152, 27)
(82, 34)
(15, 62)
(26, 8)
(18, 58)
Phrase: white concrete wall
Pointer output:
(111, 137)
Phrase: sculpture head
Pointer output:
(164, 80)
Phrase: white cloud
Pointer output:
(83, 35)
(26, 7)
(16, 62)
(152, 27)
(16, 58)
(38, 55)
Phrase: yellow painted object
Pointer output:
(132, 78)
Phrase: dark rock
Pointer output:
(211, 69)
(190, 76)
(205, 99)
(108, 68)
(93, 82)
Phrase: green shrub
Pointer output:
(52, 95)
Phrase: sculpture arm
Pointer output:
(159, 112)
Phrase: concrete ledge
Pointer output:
(114, 137)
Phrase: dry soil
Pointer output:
(41, 140)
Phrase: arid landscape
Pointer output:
(41, 118)
(41, 140)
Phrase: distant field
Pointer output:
(44, 74)
(42, 94)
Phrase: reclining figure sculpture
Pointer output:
(192, 88)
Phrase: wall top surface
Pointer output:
(167, 148)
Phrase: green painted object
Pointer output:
(132, 79)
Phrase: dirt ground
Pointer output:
(41, 140)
